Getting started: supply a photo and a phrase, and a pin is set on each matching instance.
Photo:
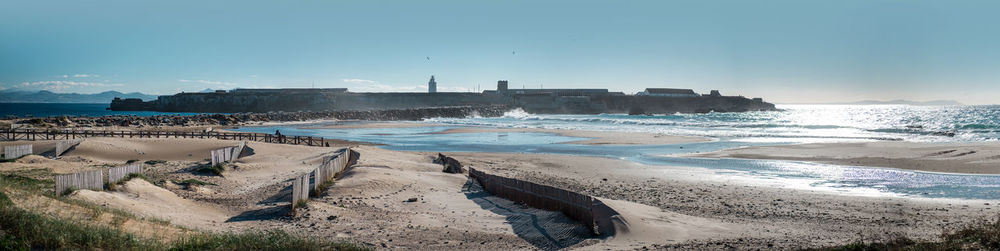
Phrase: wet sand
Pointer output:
(971, 158)
(666, 207)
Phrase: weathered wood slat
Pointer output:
(116, 174)
(13, 152)
(577, 206)
(82, 180)
(65, 145)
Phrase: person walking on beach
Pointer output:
(277, 135)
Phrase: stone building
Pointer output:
(432, 86)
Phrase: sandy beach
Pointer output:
(972, 158)
(664, 207)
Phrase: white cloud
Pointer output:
(359, 81)
(253, 76)
(81, 76)
(209, 82)
(62, 85)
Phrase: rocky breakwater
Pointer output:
(243, 118)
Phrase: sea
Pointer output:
(793, 124)
(22, 110)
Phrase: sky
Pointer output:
(801, 51)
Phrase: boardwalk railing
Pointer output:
(82, 180)
(330, 168)
(588, 210)
(116, 174)
(40, 134)
(13, 152)
(65, 145)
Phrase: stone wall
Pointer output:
(532, 102)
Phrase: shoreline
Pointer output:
(595, 137)
(667, 207)
(949, 158)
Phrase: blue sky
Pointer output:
(783, 51)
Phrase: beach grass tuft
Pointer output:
(155, 162)
(113, 186)
(265, 240)
(214, 169)
(23, 230)
(980, 235)
(193, 182)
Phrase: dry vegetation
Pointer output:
(82, 225)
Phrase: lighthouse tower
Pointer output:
(432, 87)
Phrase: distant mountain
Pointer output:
(51, 97)
(902, 102)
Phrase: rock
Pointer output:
(450, 164)
(412, 200)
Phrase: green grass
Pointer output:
(23, 230)
(4, 200)
(155, 162)
(322, 187)
(191, 182)
(114, 186)
(981, 235)
(272, 240)
(214, 170)
(301, 204)
(26, 183)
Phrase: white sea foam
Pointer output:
(812, 122)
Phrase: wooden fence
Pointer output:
(116, 174)
(229, 154)
(300, 190)
(588, 210)
(82, 180)
(65, 145)
(41, 134)
(13, 152)
(330, 168)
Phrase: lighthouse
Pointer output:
(432, 87)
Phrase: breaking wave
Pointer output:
(913, 123)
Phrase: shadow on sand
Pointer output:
(271, 212)
(546, 230)
(267, 213)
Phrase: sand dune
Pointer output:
(144, 199)
(402, 200)
(124, 149)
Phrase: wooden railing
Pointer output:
(41, 134)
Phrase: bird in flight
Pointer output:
(428, 58)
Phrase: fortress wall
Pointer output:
(382, 101)
(534, 103)
(229, 103)
(642, 104)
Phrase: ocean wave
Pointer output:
(850, 122)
